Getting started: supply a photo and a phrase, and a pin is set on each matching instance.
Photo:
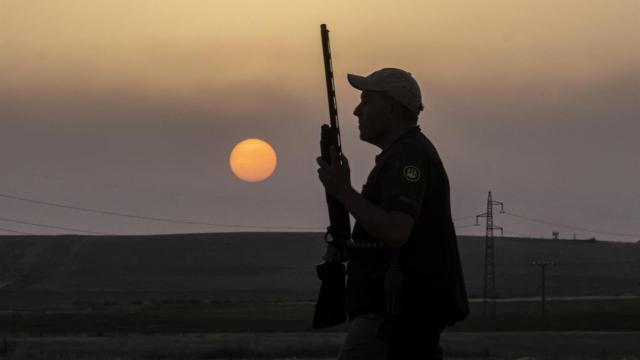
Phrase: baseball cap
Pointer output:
(397, 83)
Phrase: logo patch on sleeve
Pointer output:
(411, 173)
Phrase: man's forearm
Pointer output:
(393, 228)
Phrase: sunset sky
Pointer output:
(133, 107)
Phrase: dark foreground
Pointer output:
(575, 329)
(457, 345)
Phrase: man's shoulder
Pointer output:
(417, 147)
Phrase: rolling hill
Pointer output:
(280, 266)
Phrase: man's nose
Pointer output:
(356, 111)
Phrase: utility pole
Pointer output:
(489, 292)
(542, 265)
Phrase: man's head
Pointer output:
(390, 100)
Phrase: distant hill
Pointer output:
(283, 263)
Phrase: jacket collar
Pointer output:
(408, 133)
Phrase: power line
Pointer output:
(562, 263)
(597, 262)
(191, 222)
(16, 232)
(147, 189)
(52, 226)
(516, 233)
(464, 218)
(599, 213)
(160, 219)
(571, 227)
(94, 183)
(465, 226)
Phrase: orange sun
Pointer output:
(253, 160)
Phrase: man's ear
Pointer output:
(391, 108)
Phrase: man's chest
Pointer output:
(372, 190)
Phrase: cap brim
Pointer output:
(359, 82)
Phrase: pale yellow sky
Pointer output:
(180, 48)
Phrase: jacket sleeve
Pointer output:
(405, 180)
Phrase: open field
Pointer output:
(281, 266)
(219, 296)
(456, 345)
(578, 315)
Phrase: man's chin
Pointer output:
(364, 137)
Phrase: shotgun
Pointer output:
(330, 309)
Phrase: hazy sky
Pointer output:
(134, 106)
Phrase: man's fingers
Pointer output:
(322, 174)
(345, 162)
(321, 177)
(334, 155)
(322, 163)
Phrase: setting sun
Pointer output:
(253, 160)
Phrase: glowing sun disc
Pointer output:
(253, 160)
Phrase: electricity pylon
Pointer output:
(489, 293)
(542, 265)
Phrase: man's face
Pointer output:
(373, 116)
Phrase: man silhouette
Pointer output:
(405, 282)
